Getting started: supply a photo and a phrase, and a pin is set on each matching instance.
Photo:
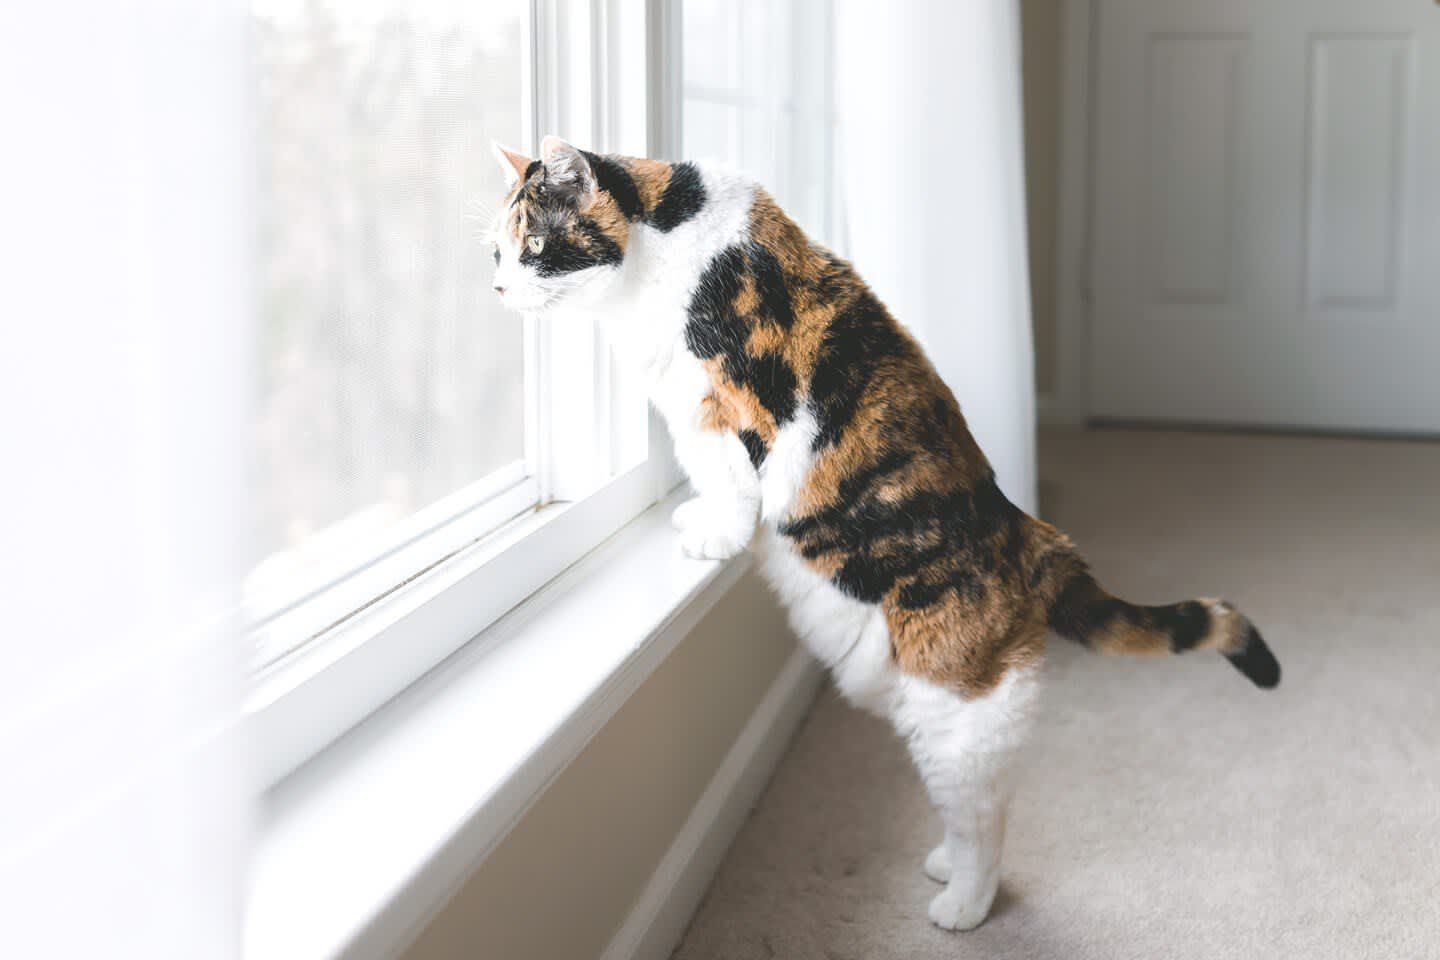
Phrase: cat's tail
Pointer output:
(1080, 609)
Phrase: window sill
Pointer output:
(365, 842)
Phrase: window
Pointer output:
(758, 94)
(391, 415)
(423, 459)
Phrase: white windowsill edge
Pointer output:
(359, 848)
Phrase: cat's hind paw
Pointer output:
(937, 864)
(952, 911)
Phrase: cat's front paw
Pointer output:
(685, 514)
(714, 529)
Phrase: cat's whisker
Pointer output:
(483, 209)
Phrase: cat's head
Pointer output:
(559, 237)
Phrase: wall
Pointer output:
(568, 875)
(931, 103)
(1041, 24)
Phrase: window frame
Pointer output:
(596, 71)
(426, 538)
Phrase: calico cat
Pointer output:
(810, 422)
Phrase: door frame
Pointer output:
(1068, 401)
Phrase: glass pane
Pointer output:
(761, 99)
(390, 377)
(711, 131)
(707, 44)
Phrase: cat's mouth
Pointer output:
(581, 288)
(525, 301)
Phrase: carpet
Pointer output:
(1165, 808)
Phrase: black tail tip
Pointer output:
(1256, 661)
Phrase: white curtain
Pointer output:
(932, 175)
(125, 234)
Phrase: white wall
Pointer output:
(932, 172)
(565, 879)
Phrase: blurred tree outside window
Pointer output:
(390, 376)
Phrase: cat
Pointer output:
(811, 422)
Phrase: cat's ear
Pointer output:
(565, 166)
(514, 164)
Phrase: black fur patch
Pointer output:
(921, 592)
(860, 338)
(888, 562)
(931, 544)
(616, 181)
(851, 491)
(772, 380)
(584, 245)
(1256, 661)
(862, 580)
(1186, 623)
(683, 198)
(1082, 608)
(713, 328)
(754, 447)
(770, 285)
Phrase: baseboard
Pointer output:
(658, 920)
(1050, 412)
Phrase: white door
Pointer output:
(1267, 213)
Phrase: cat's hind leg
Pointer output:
(937, 863)
(965, 750)
(973, 840)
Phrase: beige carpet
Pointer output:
(1167, 808)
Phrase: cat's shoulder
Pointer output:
(723, 183)
(704, 208)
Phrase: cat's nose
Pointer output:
(500, 290)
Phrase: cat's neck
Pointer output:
(644, 316)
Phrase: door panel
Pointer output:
(1356, 169)
(1193, 81)
(1266, 239)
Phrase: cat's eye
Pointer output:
(536, 244)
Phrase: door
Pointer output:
(1267, 213)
